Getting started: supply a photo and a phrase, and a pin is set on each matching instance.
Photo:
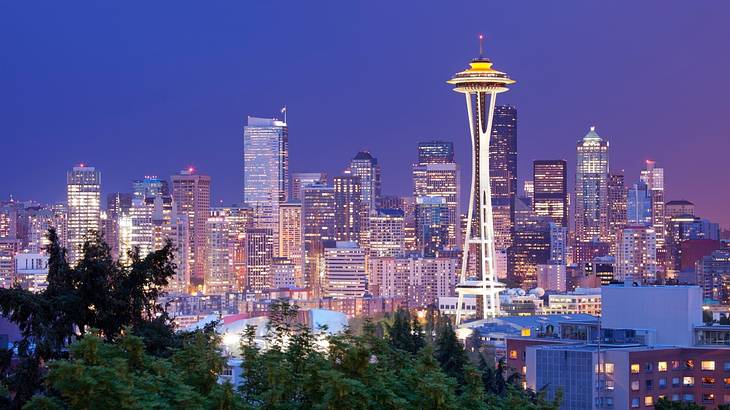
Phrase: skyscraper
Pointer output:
(639, 205)
(366, 167)
(260, 253)
(591, 182)
(653, 177)
(83, 189)
(387, 237)
(432, 225)
(480, 84)
(636, 255)
(191, 193)
(550, 190)
(503, 174)
(291, 239)
(266, 170)
(436, 174)
(117, 204)
(617, 196)
(318, 211)
(220, 276)
(348, 207)
(345, 275)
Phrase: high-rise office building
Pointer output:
(300, 180)
(432, 225)
(266, 170)
(437, 175)
(636, 254)
(558, 244)
(639, 205)
(653, 177)
(550, 190)
(344, 267)
(259, 258)
(503, 173)
(387, 236)
(528, 189)
(149, 186)
(348, 207)
(318, 209)
(682, 228)
(220, 276)
(366, 167)
(236, 220)
(291, 239)
(591, 182)
(191, 194)
(531, 247)
(117, 204)
(83, 189)
(617, 212)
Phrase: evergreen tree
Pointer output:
(449, 351)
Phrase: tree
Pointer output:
(666, 404)
(449, 351)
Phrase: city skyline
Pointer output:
(170, 118)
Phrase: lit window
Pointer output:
(661, 366)
(675, 364)
(609, 385)
(688, 381)
(706, 397)
(513, 354)
(726, 380)
(635, 368)
(634, 403)
(708, 380)
(609, 368)
(635, 385)
(524, 369)
(707, 365)
(689, 364)
(648, 401)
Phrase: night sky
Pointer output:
(151, 87)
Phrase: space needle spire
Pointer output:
(480, 84)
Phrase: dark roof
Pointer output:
(680, 202)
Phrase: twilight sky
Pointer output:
(148, 87)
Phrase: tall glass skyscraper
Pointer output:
(591, 189)
(365, 166)
(266, 170)
(638, 205)
(503, 173)
(83, 190)
(150, 186)
(437, 175)
(550, 194)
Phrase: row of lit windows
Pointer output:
(708, 365)
(649, 400)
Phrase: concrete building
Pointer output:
(387, 236)
(636, 255)
(191, 193)
(345, 273)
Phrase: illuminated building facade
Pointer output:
(300, 180)
(348, 207)
(318, 209)
(636, 254)
(291, 239)
(591, 181)
(191, 194)
(83, 189)
(387, 236)
(345, 274)
(259, 258)
(266, 170)
(550, 190)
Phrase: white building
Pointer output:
(345, 275)
(582, 300)
(31, 271)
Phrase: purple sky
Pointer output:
(150, 88)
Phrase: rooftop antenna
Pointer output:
(481, 45)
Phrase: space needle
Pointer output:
(480, 84)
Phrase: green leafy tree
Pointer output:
(666, 404)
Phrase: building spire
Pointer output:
(481, 45)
